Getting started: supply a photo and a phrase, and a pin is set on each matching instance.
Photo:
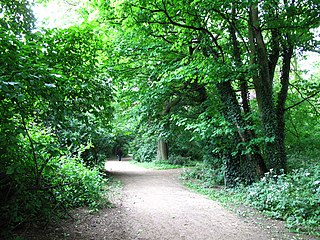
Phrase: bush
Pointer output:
(206, 174)
(146, 153)
(179, 160)
(144, 149)
(66, 184)
(294, 198)
(78, 185)
(45, 179)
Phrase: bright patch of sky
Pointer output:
(57, 14)
(310, 64)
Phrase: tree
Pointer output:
(49, 85)
(236, 46)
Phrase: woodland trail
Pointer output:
(154, 205)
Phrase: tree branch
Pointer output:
(214, 39)
(44, 188)
(303, 100)
(233, 24)
(34, 156)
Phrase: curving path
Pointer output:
(153, 205)
(156, 206)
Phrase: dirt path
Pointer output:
(154, 205)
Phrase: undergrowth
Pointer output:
(174, 161)
(293, 197)
(66, 183)
(157, 165)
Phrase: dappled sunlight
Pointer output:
(122, 166)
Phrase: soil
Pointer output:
(153, 204)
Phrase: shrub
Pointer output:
(78, 185)
(178, 160)
(45, 179)
(294, 198)
(206, 174)
(144, 150)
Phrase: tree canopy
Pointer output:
(213, 81)
(185, 59)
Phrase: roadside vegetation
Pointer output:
(157, 165)
(292, 197)
(226, 86)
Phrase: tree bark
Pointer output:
(163, 150)
(285, 73)
(255, 157)
(263, 83)
(248, 167)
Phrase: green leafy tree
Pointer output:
(55, 102)
(235, 46)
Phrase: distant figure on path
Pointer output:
(119, 154)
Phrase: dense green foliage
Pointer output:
(293, 198)
(210, 78)
(55, 111)
(217, 82)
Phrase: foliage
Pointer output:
(222, 195)
(174, 56)
(16, 16)
(177, 71)
(82, 186)
(157, 165)
(208, 175)
(144, 148)
(302, 132)
(65, 181)
(293, 197)
(179, 160)
(55, 102)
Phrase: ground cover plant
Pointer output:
(292, 197)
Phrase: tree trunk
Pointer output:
(263, 83)
(163, 150)
(255, 157)
(285, 73)
(248, 167)
(232, 174)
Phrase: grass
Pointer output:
(227, 197)
(157, 165)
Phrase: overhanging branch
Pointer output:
(214, 39)
(303, 100)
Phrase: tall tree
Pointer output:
(236, 46)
